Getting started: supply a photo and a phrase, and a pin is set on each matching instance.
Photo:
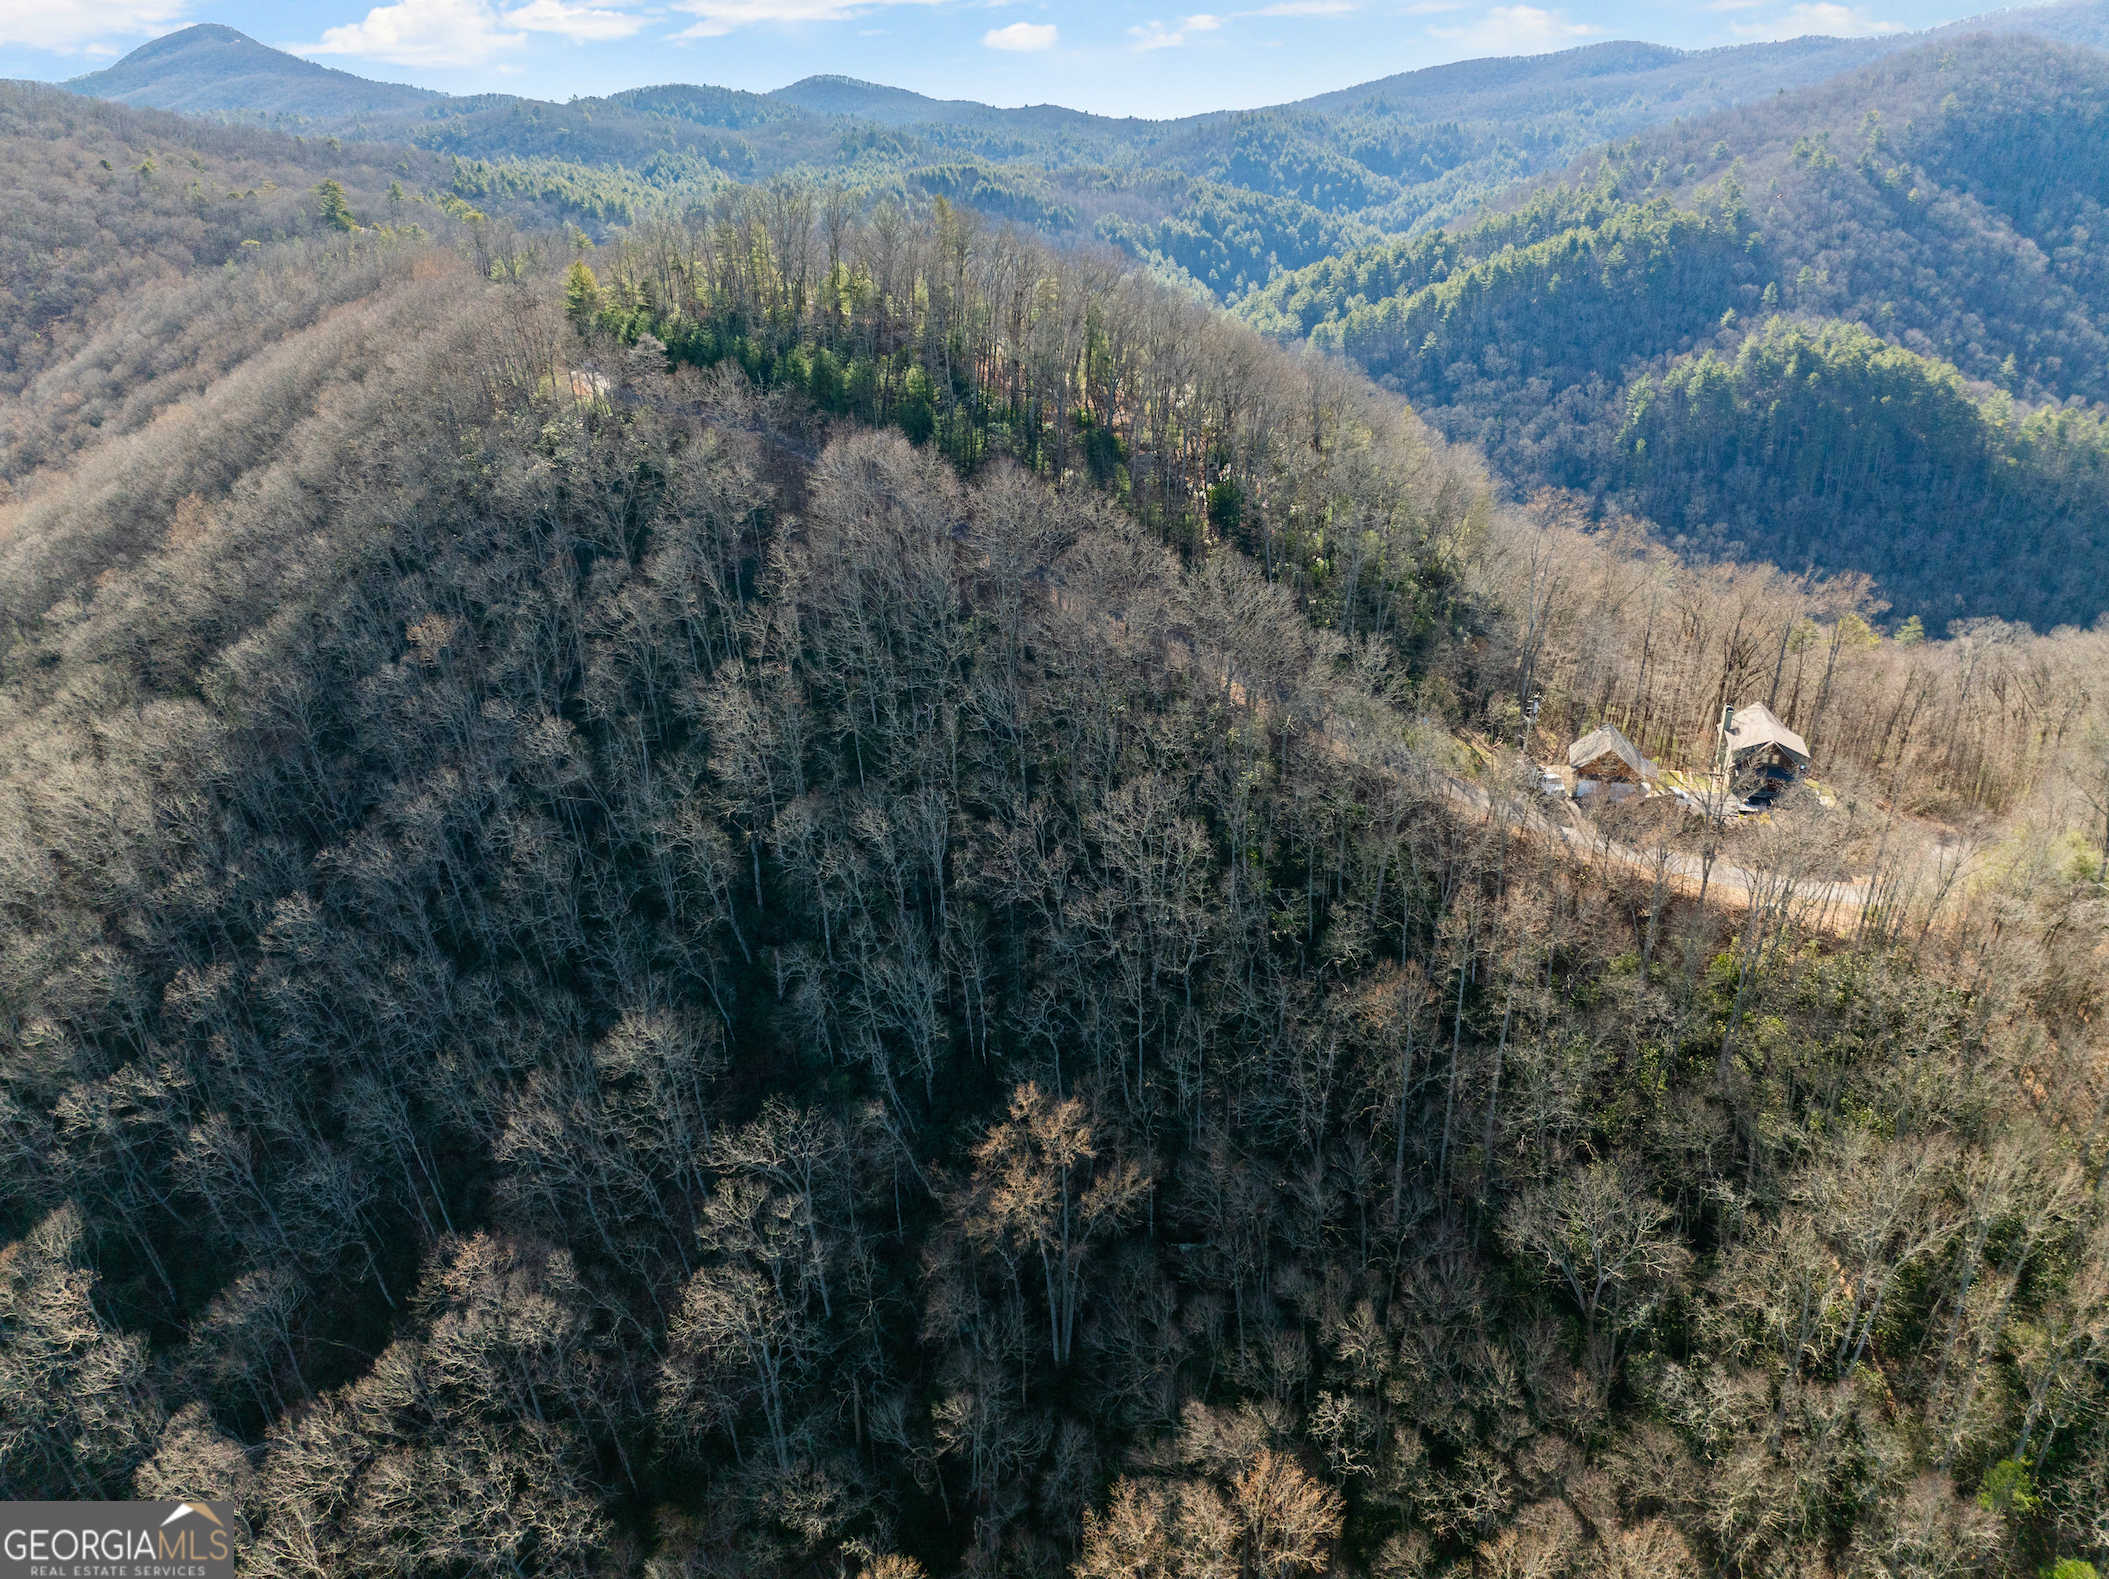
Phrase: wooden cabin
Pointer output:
(1760, 746)
(1606, 763)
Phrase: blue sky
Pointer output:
(1117, 59)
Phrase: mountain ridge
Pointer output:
(839, 94)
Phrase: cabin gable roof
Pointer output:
(1757, 726)
(1607, 740)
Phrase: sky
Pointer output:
(1133, 59)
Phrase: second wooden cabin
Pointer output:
(1607, 764)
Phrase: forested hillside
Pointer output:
(128, 229)
(1834, 330)
(790, 897)
(1827, 446)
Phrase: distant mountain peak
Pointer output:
(833, 94)
(212, 69)
(836, 79)
(218, 32)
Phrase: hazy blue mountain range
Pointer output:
(1225, 200)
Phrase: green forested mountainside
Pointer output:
(1829, 446)
(785, 898)
(1947, 201)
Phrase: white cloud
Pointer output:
(1156, 35)
(1021, 38)
(71, 25)
(421, 33)
(719, 17)
(1516, 30)
(1824, 18)
(582, 24)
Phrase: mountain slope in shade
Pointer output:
(1862, 327)
(209, 69)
